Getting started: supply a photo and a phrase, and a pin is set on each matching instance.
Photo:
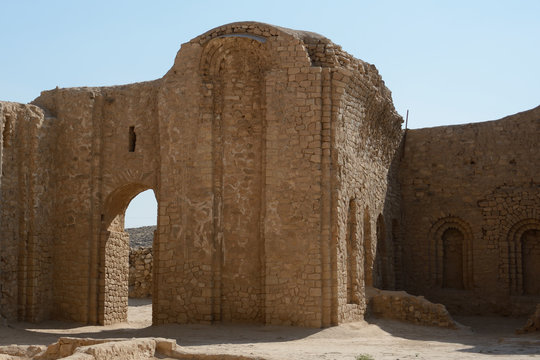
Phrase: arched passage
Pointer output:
(114, 249)
(140, 223)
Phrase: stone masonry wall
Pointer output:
(254, 192)
(401, 306)
(115, 295)
(273, 155)
(367, 135)
(94, 190)
(25, 206)
(471, 204)
(140, 272)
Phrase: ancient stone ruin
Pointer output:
(140, 273)
(286, 186)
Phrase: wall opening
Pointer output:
(452, 259)
(114, 304)
(132, 139)
(368, 251)
(530, 258)
(352, 251)
(140, 224)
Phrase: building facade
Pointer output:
(285, 187)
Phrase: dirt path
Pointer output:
(382, 339)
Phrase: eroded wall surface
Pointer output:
(26, 264)
(274, 158)
(246, 181)
(471, 211)
(365, 149)
(97, 175)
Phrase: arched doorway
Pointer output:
(113, 290)
(140, 223)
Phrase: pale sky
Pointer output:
(448, 62)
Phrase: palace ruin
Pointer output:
(285, 187)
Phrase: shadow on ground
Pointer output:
(492, 335)
(479, 335)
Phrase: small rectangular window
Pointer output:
(132, 138)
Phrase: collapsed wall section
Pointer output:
(471, 198)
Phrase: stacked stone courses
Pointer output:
(481, 183)
(140, 272)
(286, 189)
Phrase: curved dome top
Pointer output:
(320, 50)
(259, 29)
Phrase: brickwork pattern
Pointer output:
(140, 272)
(479, 179)
(26, 267)
(283, 185)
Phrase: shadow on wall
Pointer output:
(384, 268)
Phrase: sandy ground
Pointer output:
(481, 338)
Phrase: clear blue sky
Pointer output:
(449, 62)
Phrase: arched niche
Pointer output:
(451, 252)
(520, 257)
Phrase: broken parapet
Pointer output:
(399, 305)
